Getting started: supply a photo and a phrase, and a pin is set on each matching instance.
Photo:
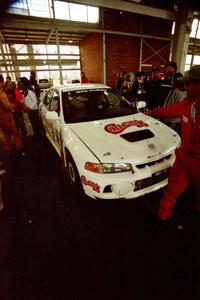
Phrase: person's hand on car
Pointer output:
(147, 111)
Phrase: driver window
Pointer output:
(47, 98)
(55, 103)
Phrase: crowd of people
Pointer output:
(155, 88)
(17, 98)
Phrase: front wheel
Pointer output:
(72, 174)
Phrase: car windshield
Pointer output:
(94, 104)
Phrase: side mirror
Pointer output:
(52, 115)
(141, 105)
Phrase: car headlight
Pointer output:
(108, 167)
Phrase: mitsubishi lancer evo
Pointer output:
(108, 148)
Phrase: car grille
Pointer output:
(155, 178)
(155, 162)
(144, 183)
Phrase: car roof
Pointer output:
(81, 86)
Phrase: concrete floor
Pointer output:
(57, 245)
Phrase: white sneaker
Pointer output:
(180, 227)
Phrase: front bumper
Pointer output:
(144, 179)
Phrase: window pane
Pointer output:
(20, 48)
(19, 7)
(70, 75)
(69, 49)
(53, 56)
(25, 68)
(43, 75)
(93, 14)
(42, 67)
(187, 67)
(194, 28)
(39, 8)
(25, 74)
(196, 60)
(39, 49)
(54, 67)
(69, 57)
(61, 10)
(52, 49)
(188, 59)
(78, 12)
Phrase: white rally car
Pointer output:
(108, 149)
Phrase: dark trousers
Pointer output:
(19, 120)
(34, 119)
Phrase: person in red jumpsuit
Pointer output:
(7, 123)
(186, 168)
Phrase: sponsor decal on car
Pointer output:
(118, 128)
(93, 185)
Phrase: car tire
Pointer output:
(72, 174)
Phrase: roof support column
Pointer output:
(181, 36)
(104, 59)
(59, 59)
(31, 57)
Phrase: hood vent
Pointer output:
(137, 136)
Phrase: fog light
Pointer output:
(122, 189)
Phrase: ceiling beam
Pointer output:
(62, 26)
(130, 7)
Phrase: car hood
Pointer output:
(134, 138)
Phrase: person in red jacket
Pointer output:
(186, 168)
(7, 123)
(84, 78)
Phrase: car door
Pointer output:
(54, 125)
(44, 109)
(51, 102)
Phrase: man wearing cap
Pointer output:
(167, 82)
(186, 168)
(139, 87)
(153, 87)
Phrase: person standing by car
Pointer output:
(167, 82)
(17, 114)
(153, 88)
(31, 104)
(34, 84)
(84, 78)
(176, 94)
(186, 168)
(7, 123)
